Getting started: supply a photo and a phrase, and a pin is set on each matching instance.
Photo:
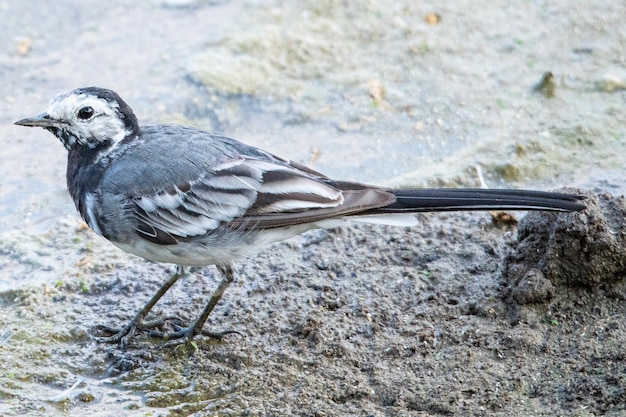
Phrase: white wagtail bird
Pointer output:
(192, 198)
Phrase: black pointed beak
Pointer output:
(41, 120)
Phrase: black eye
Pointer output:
(85, 113)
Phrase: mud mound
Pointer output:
(557, 252)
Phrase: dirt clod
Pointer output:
(585, 249)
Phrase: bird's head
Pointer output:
(89, 117)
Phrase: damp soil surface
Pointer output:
(368, 320)
(467, 314)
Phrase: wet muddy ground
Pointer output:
(458, 316)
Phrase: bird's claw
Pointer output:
(181, 335)
(186, 335)
(114, 335)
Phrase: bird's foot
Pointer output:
(107, 334)
(186, 334)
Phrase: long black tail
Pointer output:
(466, 199)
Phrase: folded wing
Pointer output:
(247, 193)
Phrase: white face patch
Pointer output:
(103, 125)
